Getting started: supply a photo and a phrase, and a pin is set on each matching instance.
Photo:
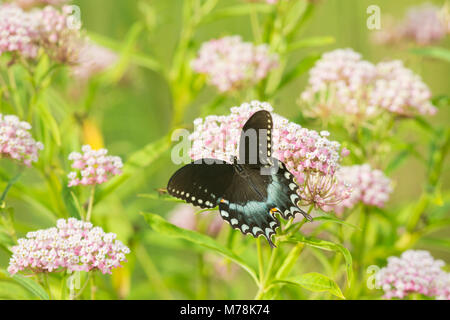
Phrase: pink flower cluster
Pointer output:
(415, 271)
(442, 284)
(184, 216)
(24, 32)
(398, 90)
(74, 245)
(232, 64)
(26, 4)
(341, 83)
(423, 24)
(266, 1)
(93, 59)
(302, 150)
(93, 167)
(17, 31)
(59, 35)
(369, 186)
(306, 153)
(324, 191)
(338, 82)
(16, 141)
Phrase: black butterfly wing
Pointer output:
(255, 144)
(244, 206)
(202, 182)
(282, 192)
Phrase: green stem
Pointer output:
(255, 24)
(152, 273)
(362, 240)
(289, 262)
(10, 184)
(14, 93)
(260, 261)
(90, 204)
(93, 287)
(62, 294)
(47, 285)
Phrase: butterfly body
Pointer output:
(250, 191)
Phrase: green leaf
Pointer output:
(302, 67)
(238, 10)
(139, 59)
(28, 284)
(71, 202)
(50, 122)
(336, 220)
(116, 73)
(5, 241)
(433, 52)
(310, 42)
(160, 225)
(397, 161)
(435, 242)
(156, 196)
(315, 282)
(330, 246)
(137, 161)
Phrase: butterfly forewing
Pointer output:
(202, 182)
(255, 144)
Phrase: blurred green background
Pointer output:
(138, 111)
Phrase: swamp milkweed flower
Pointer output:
(423, 25)
(58, 34)
(93, 59)
(17, 31)
(72, 245)
(415, 271)
(303, 151)
(231, 64)
(27, 4)
(184, 216)
(368, 185)
(93, 167)
(53, 30)
(16, 141)
(342, 84)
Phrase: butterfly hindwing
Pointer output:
(202, 182)
(245, 205)
(255, 144)
(283, 192)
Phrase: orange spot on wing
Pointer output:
(274, 210)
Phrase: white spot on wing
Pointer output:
(294, 198)
(224, 213)
(256, 229)
(234, 221)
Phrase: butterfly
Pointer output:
(250, 190)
